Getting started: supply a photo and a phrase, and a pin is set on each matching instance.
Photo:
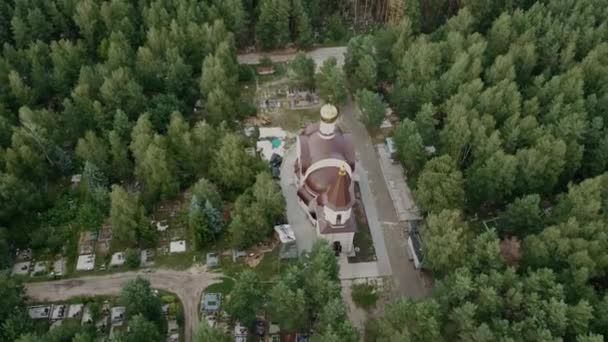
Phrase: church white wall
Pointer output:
(327, 130)
(332, 216)
(345, 240)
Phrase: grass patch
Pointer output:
(365, 296)
(225, 287)
(179, 261)
(363, 237)
(269, 268)
(293, 120)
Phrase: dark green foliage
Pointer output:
(139, 299)
(132, 259)
(310, 288)
(245, 299)
(13, 314)
(372, 108)
(302, 72)
(512, 111)
(330, 82)
(256, 212)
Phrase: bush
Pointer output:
(246, 73)
(132, 259)
(365, 296)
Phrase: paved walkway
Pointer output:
(375, 227)
(407, 280)
(400, 193)
(318, 55)
(305, 232)
(187, 285)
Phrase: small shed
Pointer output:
(178, 246)
(86, 262)
(118, 259)
(287, 237)
(211, 303)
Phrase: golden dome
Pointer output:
(329, 113)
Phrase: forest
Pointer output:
(141, 98)
(513, 101)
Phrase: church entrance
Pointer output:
(337, 248)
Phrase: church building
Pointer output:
(324, 171)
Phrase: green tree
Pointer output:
(523, 216)
(494, 180)
(94, 150)
(13, 315)
(272, 28)
(205, 333)
(126, 215)
(301, 72)
(440, 185)
(408, 321)
(132, 259)
(246, 298)
(141, 329)
(139, 300)
(120, 91)
(372, 107)
(288, 307)
(445, 235)
(427, 124)
(330, 82)
(366, 73)
(304, 33)
(268, 196)
(232, 168)
(334, 322)
(157, 171)
(121, 165)
(409, 144)
(540, 166)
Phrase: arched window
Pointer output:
(339, 219)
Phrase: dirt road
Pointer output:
(318, 55)
(188, 285)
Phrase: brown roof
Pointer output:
(339, 194)
(313, 147)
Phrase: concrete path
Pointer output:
(318, 55)
(407, 280)
(371, 211)
(304, 230)
(187, 285)
(400, 193)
